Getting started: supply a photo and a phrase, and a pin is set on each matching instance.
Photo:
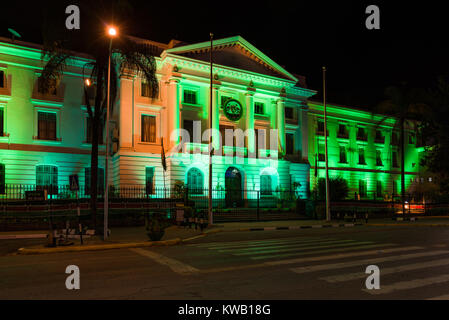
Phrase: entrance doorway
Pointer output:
(233, 187)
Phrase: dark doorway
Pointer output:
(233, 186)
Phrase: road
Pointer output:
(324, 263)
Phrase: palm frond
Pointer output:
(138, 57)
(58, 58)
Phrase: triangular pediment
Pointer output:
(234, 52)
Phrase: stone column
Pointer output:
(304, 123)
(280, 123)
(126, 134)
(250, 122)
(174, 116)
(215, 119)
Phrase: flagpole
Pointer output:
(210, 138)
(328, 217)
(164, 164)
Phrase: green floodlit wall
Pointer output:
(352, 171)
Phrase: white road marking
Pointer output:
(305, 253)
(341, 255)
(409, 284)
(298, 248)
(384, 271)
(254, 243)
(283, 245)
(366, 262)
(174, 265)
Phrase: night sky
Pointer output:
(411, 46)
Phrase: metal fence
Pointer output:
(63, 192)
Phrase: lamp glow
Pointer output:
(112, 31)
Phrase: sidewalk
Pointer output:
(125, 237)
(128, 237)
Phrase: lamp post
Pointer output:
(328, 216)
(112, 32)
(210, 138)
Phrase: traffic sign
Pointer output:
(74, 182)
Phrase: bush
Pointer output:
(156, 226)
(338, 189)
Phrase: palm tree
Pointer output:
(435, 131)
(403, 104)
(129, 55)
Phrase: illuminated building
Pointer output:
(45, 136)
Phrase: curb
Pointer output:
(408, 225)
(26, 251)
(23, 236)
(100, 247)
(338, 225)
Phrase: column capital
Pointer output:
(250, 92)
(215, 86)
(281, 99)
(174, 79)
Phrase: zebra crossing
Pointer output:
(339, 258)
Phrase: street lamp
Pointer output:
(112, 32)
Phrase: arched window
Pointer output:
(195, 181)
(265, 185)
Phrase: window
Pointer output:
(395, 159)
(260, 140)
(361, 134)
(51, 89)
(46, 125)
(411, 138)
(2, 179)
(343, 154)
(188, 126)
(379, 189)
(342, 132)
(258, 108)
(148, 129)
(2, 79)
(145, 89)
(394, 138)
(362, 188)
(289, 143)
(149, 180)
(379, 158)
(47, 178)
(289, 113)
(2, 119)
(223, 129)
(190, 96)
(379, 137)
(265, 185)
(89, 131)
(320, 127)
(321, 156)
(362, 156)
(195, 180)
(88, 180)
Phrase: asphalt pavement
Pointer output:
(326, 263)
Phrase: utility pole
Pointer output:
(328, 216)
(210, 137)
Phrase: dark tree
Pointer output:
(129, 55)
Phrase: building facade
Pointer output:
(363, 149)
(266, 132)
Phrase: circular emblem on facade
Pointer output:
(233, 110)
